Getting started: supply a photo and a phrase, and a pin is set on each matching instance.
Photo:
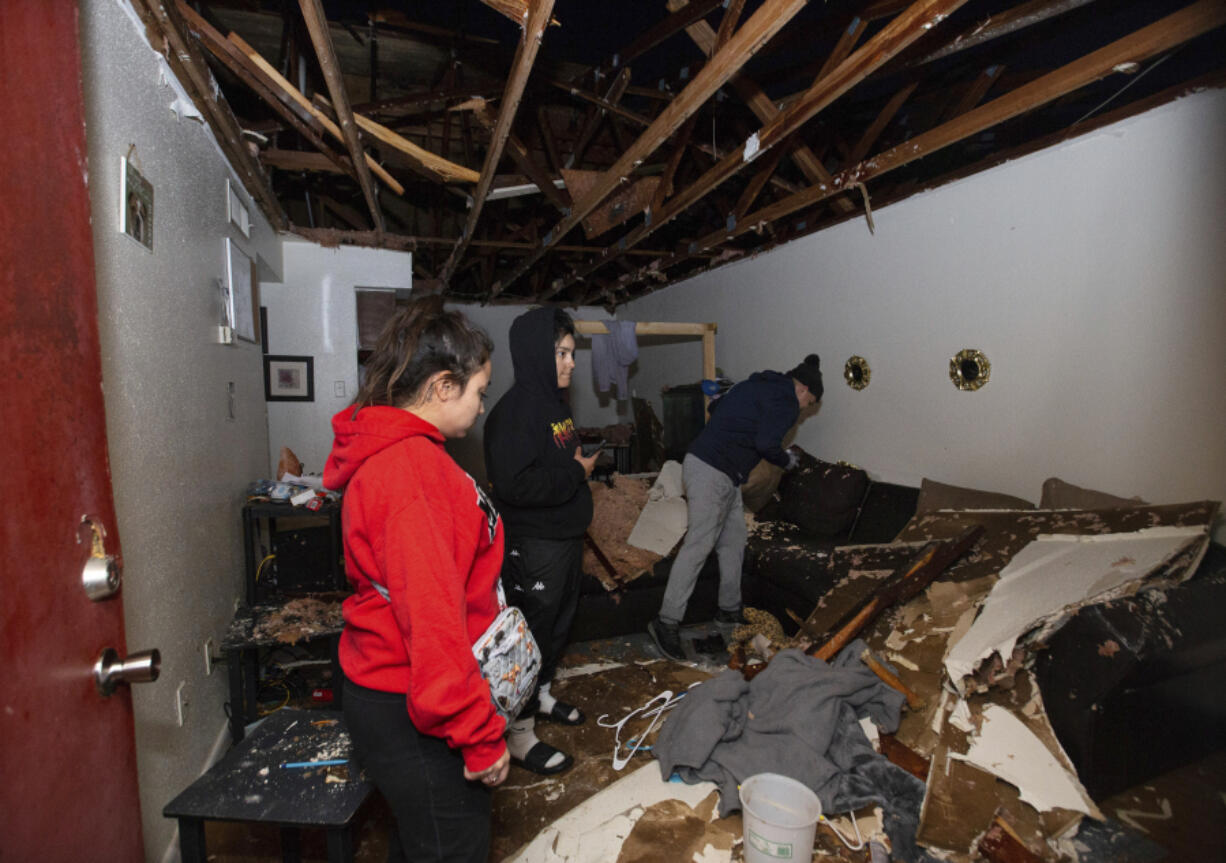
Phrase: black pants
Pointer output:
(541, 578)
(440, 816)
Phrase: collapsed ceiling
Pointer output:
(581, 152)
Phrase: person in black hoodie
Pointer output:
(747, 425)
(539, 476)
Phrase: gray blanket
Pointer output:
(797, 718)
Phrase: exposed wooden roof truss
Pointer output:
(591, 153)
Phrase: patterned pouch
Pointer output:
(509, 659)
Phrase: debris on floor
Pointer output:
(616, 506)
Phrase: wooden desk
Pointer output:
(250, 785)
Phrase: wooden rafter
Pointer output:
(325, 52)
(241, 67)
(754, 33)
(1164, 34)
(663, 29)
(903, 30)
(275, 79)
(596, 115)
(764, 109)
(883, 118)
(192, 70)
(525, 55)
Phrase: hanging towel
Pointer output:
(612, 355)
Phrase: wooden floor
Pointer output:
(1183, 812)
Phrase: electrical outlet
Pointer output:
(181, 701)
(208, 656)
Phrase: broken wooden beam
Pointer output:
(899, 588)
(525, 56)
(905, 29)
(1162, 35)
(274, 79)
(751, 36)
(890, 679)
(192, 70)
(325, 53)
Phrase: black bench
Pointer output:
(252, 784)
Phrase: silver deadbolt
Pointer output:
(102, 574)
(110, 670)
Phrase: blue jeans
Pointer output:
(440, 816)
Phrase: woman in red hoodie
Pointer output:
(423, 549)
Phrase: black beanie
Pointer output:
(809, 373)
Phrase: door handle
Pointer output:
(110, 670)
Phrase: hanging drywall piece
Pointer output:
(662, 522)
(1054, 575)
(1006, 748)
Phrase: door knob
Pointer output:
(110, 670)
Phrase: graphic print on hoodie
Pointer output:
(539, 488)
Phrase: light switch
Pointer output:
(338, 389)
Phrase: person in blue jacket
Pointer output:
(747, 425)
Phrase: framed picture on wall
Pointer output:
(240, 293)
(289, 379)
(135, 204)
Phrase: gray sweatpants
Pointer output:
(716, 520)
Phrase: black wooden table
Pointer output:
(252, 784)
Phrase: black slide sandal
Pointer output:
(561, 714)
(538, 756)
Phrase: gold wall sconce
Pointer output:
(856, 372)
(969, 369)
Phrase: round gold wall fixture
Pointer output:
(969, 369)
(856, 372)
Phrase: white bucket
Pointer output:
(780, 816)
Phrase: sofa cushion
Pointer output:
(937, 495)
(820, 497)
(1058, 494)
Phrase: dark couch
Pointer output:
(835, 505)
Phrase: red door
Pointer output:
(68, 786)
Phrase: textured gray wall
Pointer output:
(179, 464)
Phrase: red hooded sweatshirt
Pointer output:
(423, 549)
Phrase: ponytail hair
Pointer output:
(419, 341)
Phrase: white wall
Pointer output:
(313, 312)
(179, 463)
(1092, 275)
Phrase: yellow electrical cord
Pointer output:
(259, 569)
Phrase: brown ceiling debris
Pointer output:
(299, 620)
(616, 508)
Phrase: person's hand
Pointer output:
(588, 462)
(494, 774)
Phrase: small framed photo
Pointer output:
(135, 204)
(289, 379)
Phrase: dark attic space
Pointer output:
(543, 431)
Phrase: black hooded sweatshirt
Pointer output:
(538, 487)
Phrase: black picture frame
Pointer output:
(289, 379)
